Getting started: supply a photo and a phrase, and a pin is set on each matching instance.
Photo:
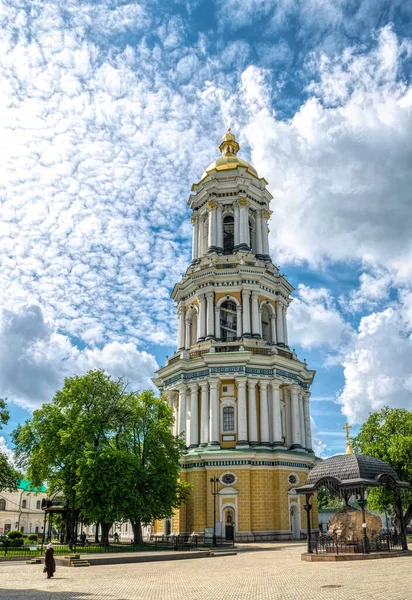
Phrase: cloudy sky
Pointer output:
(110, 109)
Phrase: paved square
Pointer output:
(269, 572)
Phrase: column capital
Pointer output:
(252, 383)
(294, 387)
(275, 384)
(211, 205)
(306, 396)
(204, 385)
(182, 387)
(209, 294)
(266, 214)
(242, 202)
(193, 219)
(241, 382)
(214, 384)
(272, 316)
(263, 383)
(246, 293)
(193, 386)
(238, 307)
(201, 296)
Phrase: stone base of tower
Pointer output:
(256, 498)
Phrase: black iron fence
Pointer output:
(24, 549)
(327, 544)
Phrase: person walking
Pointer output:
(50, 563)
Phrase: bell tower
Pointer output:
(240, 394)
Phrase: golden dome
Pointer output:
(229, 159)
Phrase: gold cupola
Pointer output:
(229, 159)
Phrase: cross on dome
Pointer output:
(229, 146)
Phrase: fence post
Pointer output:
(5, 546)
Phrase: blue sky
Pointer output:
(111, 109)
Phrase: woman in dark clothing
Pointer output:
(50, 564)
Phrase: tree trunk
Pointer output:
(105, 533)
(96, 533)
(137, 531)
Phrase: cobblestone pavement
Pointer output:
(270, 572)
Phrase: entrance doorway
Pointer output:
(229, 525)
(295, 522)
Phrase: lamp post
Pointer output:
(214, 489)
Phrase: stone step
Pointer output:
(33, 561)
(79, 563)
(72, 556)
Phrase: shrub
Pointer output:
(16, 542)
(33, 537)
(14, 534)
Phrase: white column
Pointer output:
(217, 322)
(277, 419)
(308, 428)
(219, 227)
(260, 323)
(265, 233)
(214, 414)
(264, 414)
(241, 414)
(239, 321)
(279, 323)
(210, 321)
(212, 225)
(295, 416)
(182, 410)
(194, 416)
(285, 328)
(258, 226)
(202, 317)
(236, 216)
(204, 414)
(195, 238)
(188, 323)
(201, 237)
(181, 328)
(252, 413)
(302, 420)
(255, 315)
(272, 319)
(246, 313)
(244, 223)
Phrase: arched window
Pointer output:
(193, 330)
(228, 418)
(228, 321)
(228, 234)
(2, 504)
(266, 325)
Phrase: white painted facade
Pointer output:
(21, 510)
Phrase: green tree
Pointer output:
(387, 435)
(52, 446)
(155, 489)
(9, 477)
(109, 451)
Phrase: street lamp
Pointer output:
(214, 489)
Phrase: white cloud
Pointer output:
(318, 446)
(99, 149)
(340, 173)
(314, 320)
(35, 358)
(377, 364)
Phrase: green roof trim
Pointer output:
(26, 486)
